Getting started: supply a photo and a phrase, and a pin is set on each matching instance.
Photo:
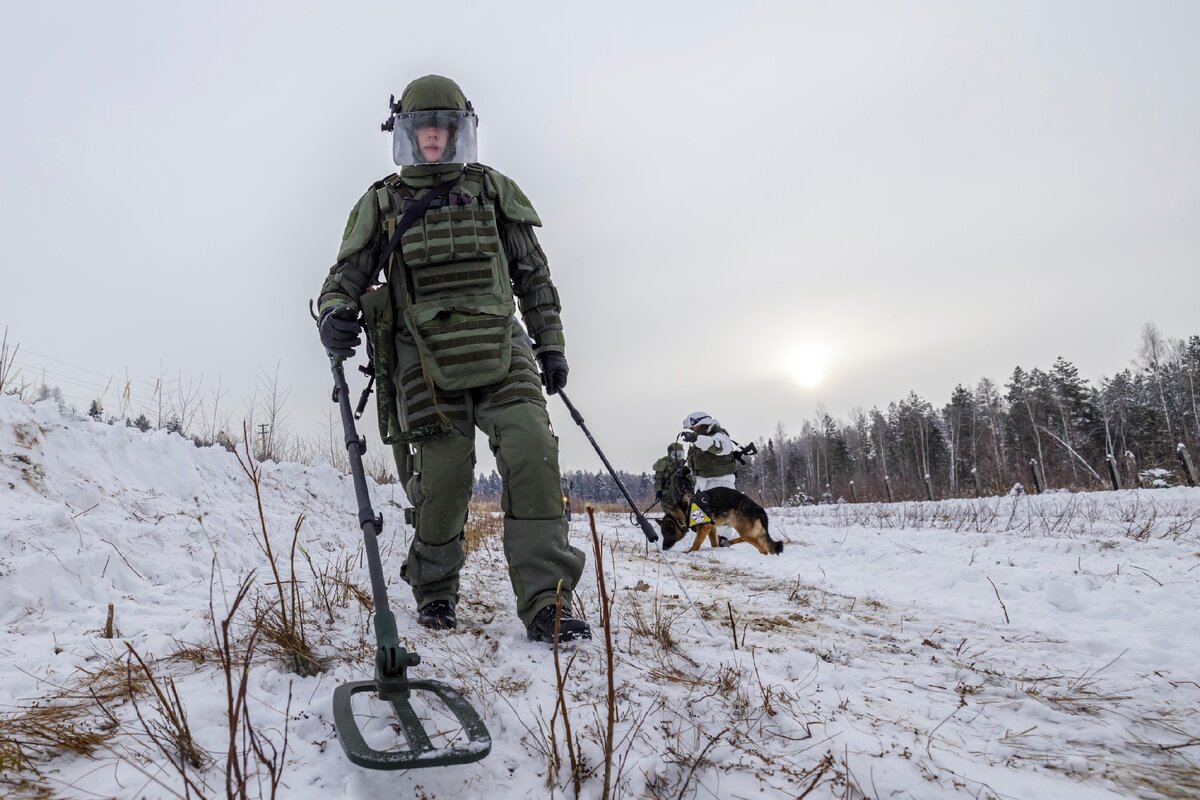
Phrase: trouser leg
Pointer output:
(439, 489)
(540, 557)
(728, 481)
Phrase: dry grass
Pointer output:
(655, 623)
(46, 730)
(1136, 515)
(608, 508)
(75, 720)
(485, 524)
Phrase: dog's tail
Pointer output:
(775, 545)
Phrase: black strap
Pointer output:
(415, 211)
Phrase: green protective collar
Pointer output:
(427, 176)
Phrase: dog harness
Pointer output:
(697, 517)
(699, 514)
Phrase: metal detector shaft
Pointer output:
(645, 525)
(391, 660)
(370, 522)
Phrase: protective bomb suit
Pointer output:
(451, 356)
(711, 456)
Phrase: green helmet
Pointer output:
(434, 93)
(675, 450)
(436, 107)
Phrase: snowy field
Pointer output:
(1023, 647)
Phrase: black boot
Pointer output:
(570, 627)
(722, 541)
(438, 615)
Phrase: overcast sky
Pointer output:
(749, 210)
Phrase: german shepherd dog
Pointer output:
(723, 507)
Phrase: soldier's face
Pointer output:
(432, 142)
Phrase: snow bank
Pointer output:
(890, 651)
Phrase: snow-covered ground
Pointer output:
(1024, 647)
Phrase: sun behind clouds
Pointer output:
(807, 364)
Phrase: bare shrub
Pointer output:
(170, 733)
(252, 757)
(284, 627)
(6, 362)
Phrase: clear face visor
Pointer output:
(435, 137)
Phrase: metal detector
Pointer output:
(392, 661)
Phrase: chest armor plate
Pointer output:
(449, 276)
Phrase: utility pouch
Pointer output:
(466, 343)
(451, 235)
(376, 308)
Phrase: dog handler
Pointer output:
(672, 478)
(451, 356)
(711, 456)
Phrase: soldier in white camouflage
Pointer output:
(451, 356)
(712, 453)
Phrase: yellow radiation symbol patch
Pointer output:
(697, 516)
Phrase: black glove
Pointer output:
(554, 371)
(689, 436)
(339, 330)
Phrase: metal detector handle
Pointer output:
(647, 529)
(368, 370)
(365, 396)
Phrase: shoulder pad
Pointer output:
(362, 226)
(512, 203)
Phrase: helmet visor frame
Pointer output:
(460, 136)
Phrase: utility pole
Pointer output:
(262, 435)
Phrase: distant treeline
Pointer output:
(584, 487)
(1043, 429)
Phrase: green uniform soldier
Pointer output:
(454, 242)
(672, 478)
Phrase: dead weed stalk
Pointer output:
(170, 733)
(251, 755)
(560, 678)
(605, 620)
(284, 627)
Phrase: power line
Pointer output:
(58, 376)
(65, 363)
